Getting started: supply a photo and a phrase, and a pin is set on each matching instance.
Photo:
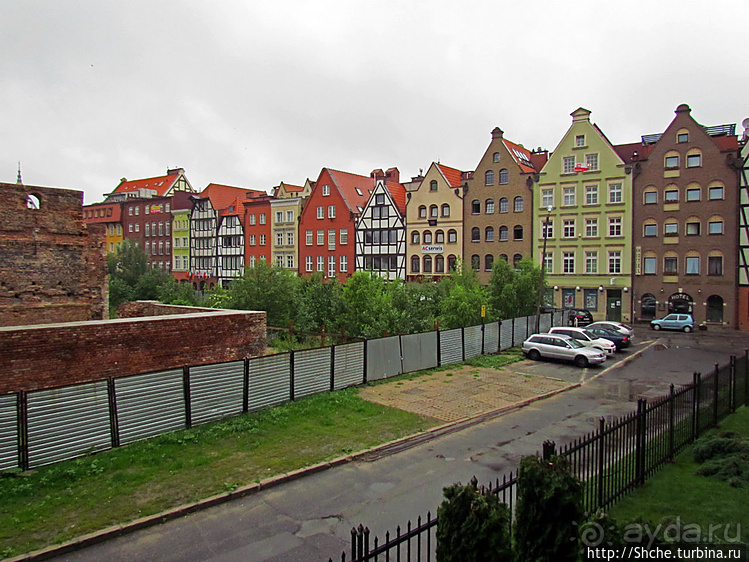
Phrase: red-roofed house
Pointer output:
(328, 221)
(164, 186)
(381, 232)
(434, 223)
(110, 215)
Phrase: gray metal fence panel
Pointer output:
(546, 323)
(349, 365)
(491, 337)
(150, 404)
(419, 351)
(451, 346)
(505, 335)
(520, 330)
(383, 358)
(269, 380)
(473, 337)
(311, 371)
(68, 422)
(9, 431)
(216, 391)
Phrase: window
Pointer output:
(591, 195)
(488, 262)
(289, 216)
(547, 229)
(147, 247)
(252, 220)
(547, 198)
(130, 211)
(568, 262)
(439, 237)
(415, 263)
(148, 229)
(591, 161)
(517, 232)
(262, 239)
(715, 193)
(475, 262)
(290, 238)
(580, 140)
(422, 212)
(591, 228)
(325, 190)
(671, 229)
(253, 240)
(489, 177)
(433, 185)
(591, 262)
(415, 237)
(694, 160)
(321, 212)
(320, 263)
(504, 176)
(489, 234)
(568, 228)
(650, 229)
(715, 265)
(516, 260)
(445, 210)
(650, 197)
(331, 211)
(137, 211)
(693, 265)
(433, 212)
(503, 234)
(475, 234)
(439, 264)
(427, 264)
(568, 165)
(518, 204)
(615, 262)
(489, 206)
(715, 226)
(693, 194)
(452, 236)
(649, 265)
(427, 237)
(504, 205)
(343, 263)
(290, 262)
(548, 262)
(331, 239)
(320, 237)
(344, 236)
(672, 161)
(682, 137)
(615, 193)
(279, 261)
(671, 196)
(568, 196)
(693, 228)
(137, 227)
(475, 207)
(262, 218)
(615, 226)
(279, 238)
(331, 266)
(279, 217)
(308, 238)
(495, 157)
(670, 265)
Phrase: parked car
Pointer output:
(580, 317)
(617, 327)
(557, 346)
(618, 339)
(586, 338)
(683, 322)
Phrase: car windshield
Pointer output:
(574, 344)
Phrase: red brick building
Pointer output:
(257, 226)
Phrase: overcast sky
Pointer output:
(251, 93)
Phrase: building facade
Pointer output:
(181, 243)
(583, 222)
(743, 280)
(230, 244)
(257, 220)
(284, 249)
(685, 235)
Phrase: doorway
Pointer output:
(614, 305)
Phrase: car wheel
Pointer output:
(534, 354)
(581, 361)
(656, 327)
(687, 329)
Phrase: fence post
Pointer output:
(114, 426)
(463, 342)
(439, 347)
(671, 422)
(640, 442)
(483, 336)
(512, 339)
(601, 463)
(23, 430)
(733, 384)
(332, 368)
(246, 387)
(696, 384)
(746, 377)
(187, 396)
(549, 450)
(364, 357)
(716, 390)
(291, 374)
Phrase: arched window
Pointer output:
(439, 237)
(475, 234)
(433, 211)
(518, 204)
(415, 237)
(503, 233)
(427, 264)
(647, 306)
(714, 308)
(422, 212)
(517, 232)
(475, 262)
(516, 259)
(439, 264)
(504, 176)
(489, 234)
(415, 262)
(504, 205)
(503, 257)
(489, 206)
(495, 157)
(671, 160)
(475, 207)
(427, 237)
(445, 210)
(32, 201)
(452, 261)
(489, 177)
(452, 236)
(488, 262)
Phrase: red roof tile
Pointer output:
(160, 184)
(521, 155)
(539, 159)
(633, 151)
(398, 193)
(222, 196)
(348, 183)
(452, 175)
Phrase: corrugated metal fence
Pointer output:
(46, 426)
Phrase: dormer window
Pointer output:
(358, 191)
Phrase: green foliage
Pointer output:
(472, 526)
(367, 305)
(549, 508)
(128, 263)
(171, 292)
(129, 276)
(320, 304)
(461, 299)
(724, 456)
(514, 292)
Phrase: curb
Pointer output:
(368, 455)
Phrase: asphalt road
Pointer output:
(311, 518)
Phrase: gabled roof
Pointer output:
(633, 151)
(222, 196)
(539, 159)
(521, 155)
(233, 208)
(398, 193)
(451, 175)
(161, 184)
(354, 189)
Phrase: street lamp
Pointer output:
(543, 269)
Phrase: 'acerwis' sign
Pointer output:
(430, 249)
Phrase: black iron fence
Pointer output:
(610, 461)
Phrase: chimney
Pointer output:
(497, 133)
(175, 171)
(377, 174)
(393, 175)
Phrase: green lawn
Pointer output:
(56, 503)
(676, 492)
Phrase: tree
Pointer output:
(128, 263)
(320, 304)
(514, 292)
(129, 276)
(414, 306)
(367, 307)
(462, 297)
